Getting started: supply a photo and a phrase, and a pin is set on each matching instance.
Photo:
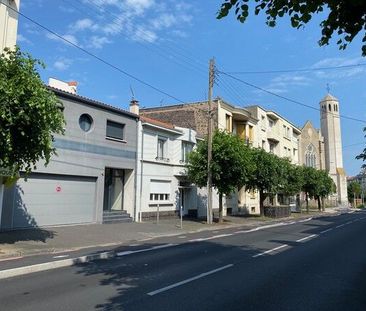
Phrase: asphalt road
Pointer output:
(318, 264)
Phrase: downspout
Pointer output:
(142, 169)
(136, 167)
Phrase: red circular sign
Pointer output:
(58, 189)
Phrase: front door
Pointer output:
(113, 189)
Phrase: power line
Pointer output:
(95, 56)
(297, 70)
(285, 98)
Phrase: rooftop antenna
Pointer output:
(132, 93)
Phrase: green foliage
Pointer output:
(230, 166)
(324, 184)
(310, 180)
(29, 113)
(362, 156)
(361, 206)
(346, 18)
(354, 190)
(294, 179)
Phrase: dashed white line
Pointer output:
(341, 225)
(164, 289)
(270, 250)
(306, 238)
(125, 253)
(348, 222)
(324, 231)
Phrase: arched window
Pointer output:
(310, 156)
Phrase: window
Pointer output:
(270, 123)
(160, 190)
(272, 147)
(263, 144)
(228, 122)
(115, 130)
(310, 157)
(85, 122)
(186, 149)
(161, 150)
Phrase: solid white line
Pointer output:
(125, 253)
(211, 237)
(182, 237)
(132, 245)
(164, 289)
(305, 220)
(270, 250)
(306, 238)
(341, 225)
(349, 222)
(324, 231)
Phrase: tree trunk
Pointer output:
(319, 205)
(220, 208)
(307, 202)
(261, 202)
(323, 204)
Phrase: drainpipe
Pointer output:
(141, 168)
(136, 168)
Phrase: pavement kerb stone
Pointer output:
(4, 274)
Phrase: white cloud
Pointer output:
(98, 42)
(138, 6)
(62, 64)
(340, 73)
(144, 35)
(71, 38)
(83, 24)
(21, 38)
(284, 82)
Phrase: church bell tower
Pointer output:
(331, 131)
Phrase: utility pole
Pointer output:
(211, 78)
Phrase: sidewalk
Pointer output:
(71, 238)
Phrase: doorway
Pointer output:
(113, 189)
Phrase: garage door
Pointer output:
(46, 199)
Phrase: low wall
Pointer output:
(277, 211)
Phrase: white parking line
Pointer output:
(324, 231)
(306, 238)
(270, 251)
(125, 253)
(164, 289)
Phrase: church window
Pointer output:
(310, 157)
(330, 107)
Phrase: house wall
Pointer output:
(85, 155)
(8, 24)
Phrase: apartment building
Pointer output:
(8, 23)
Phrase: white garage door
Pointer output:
(46, 199)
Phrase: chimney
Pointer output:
(134, 106)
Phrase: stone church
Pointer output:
(322, 148)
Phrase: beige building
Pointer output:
(8, 23)
(331, 130)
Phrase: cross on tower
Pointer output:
(328, 88)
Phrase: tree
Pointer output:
(362, 156)
(29, 114)
(324, 187)
(230, 166)
(354, 191)
(269, 175)
(310, 183)
(294, 179)
(346, 18)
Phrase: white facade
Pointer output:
(331, 130)
(8, 23)
(162, 186)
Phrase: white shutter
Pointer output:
(160, 186)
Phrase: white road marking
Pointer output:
(60, 256)
(182, 237)
(132, 245)
(324, 231)
(341, 225)
(125, 253)
(270, 250)
(305, 220)
(164, 289)
(306, 238)
(349, 222)
(211, 237)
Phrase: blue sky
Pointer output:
(168, 44)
